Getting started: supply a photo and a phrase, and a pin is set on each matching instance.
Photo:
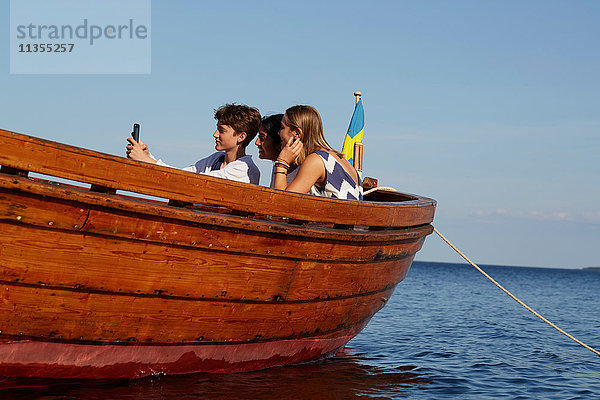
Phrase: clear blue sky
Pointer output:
(490, 107)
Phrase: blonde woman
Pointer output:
(322, 170)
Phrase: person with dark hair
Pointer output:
(269, 143)
(268, 140)
(237, 125)
(322, 171)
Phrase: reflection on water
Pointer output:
(347, 375)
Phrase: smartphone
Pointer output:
(136, 132)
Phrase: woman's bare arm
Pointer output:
(311, 171)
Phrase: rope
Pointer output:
(379, 188)
(497, 284)
(513, 297)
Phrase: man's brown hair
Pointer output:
(241, 118)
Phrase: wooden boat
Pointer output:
(198, 274)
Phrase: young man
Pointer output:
(237, 125)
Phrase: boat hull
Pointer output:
(219, 277)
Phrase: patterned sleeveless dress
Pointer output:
(338, 184)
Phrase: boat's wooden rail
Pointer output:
(20, 154)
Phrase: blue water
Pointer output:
(447, 332)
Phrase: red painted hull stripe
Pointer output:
(77, 361)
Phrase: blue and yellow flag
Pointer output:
(355, 131)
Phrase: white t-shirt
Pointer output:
(242, 170)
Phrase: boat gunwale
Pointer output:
(122, 203)
(46, 157)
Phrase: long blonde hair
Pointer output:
(307, 121)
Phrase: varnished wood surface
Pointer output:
(94, 263)
(226, 262)
(47, 193)
(96, 317)
(210, 232)
(53, 250)
(36, 155)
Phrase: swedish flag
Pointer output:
(355, 131)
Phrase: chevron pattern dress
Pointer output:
(338, 184)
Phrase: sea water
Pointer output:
(447, 332)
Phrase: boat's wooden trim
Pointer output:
(37, 195)
(28, 153)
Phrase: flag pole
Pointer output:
(358, 147)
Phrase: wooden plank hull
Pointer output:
(101, 286)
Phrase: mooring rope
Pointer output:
(513, 297)
(384, 188)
